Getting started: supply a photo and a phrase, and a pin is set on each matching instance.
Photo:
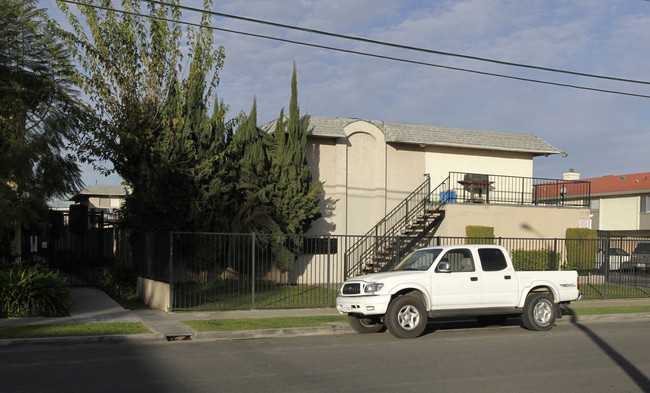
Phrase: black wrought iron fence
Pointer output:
(77, 243)
(212, 271)
(209, 271)
(515, 190)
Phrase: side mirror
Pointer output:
(444, 267)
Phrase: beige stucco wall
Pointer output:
(404, 172)
(621, 213)
(364, 177)
(512, 221)
(154, 294)
(322, 159)
(439, 161)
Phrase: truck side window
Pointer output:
(460, 260)
(492, 259)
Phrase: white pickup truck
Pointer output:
(460, 280)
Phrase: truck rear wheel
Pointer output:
(539, 312)
(364, 324)
(406, 317)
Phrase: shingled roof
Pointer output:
(433, 135)
(94, 190)
(618, 184)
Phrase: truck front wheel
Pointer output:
(539, 312)
(406, 317)
(364, 324)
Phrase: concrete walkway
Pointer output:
(93, 305)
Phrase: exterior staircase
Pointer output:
(403, 230)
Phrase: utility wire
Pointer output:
(358, 52)
(389, 44)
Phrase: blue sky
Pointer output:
(602, 133)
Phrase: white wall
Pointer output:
(439, 161)
(620, 213)
(512, 221)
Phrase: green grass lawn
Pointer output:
(218, 325)
(72, 329)
(232, 295)
(606, 310)
(597, 291)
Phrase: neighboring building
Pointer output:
(368, 167)
(101, 199)
(620, 204)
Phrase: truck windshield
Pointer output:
(418, 260)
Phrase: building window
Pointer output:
(595, 204)
(645, 203)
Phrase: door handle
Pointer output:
(474, 278)
(507, 277)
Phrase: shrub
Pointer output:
(118, 279)
(33, 291)
(581, 247)
(479, 235)
(524, 260)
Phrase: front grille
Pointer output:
(352, 289)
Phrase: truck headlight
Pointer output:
(373, 287)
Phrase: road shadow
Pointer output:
(630, 369)
(469, 323)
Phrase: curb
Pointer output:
(118, 338)
(330, 330)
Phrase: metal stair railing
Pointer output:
(376, 239)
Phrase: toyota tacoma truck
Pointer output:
(459, 280)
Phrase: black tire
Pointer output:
(539, 312)
(491, 320)
(365, 325)
(406, 317)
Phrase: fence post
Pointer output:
(329, 284)
(559, 262)
(606, 261)
(253, 271)
(171, 271)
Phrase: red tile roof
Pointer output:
(633, 182)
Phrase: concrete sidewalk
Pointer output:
(93, 305)
(89, 305)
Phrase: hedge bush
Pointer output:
(581, 247)
(479, 235)
(526, 260)
(118, 279)
(33, 291)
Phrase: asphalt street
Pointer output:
(591, 356)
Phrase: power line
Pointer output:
(373, 55)
(389, 44)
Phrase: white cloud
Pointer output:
(602, 133)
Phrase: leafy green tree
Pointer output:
(39, 113)
(155, 129)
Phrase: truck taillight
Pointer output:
(578, 283)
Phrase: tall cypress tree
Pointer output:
(215, 197)
(255, 211)
(295, 197)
